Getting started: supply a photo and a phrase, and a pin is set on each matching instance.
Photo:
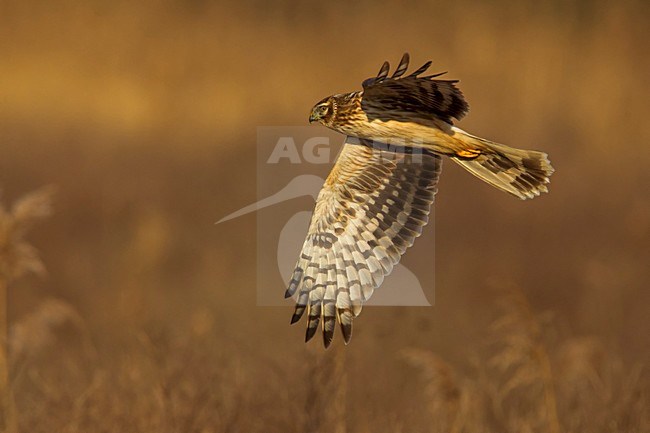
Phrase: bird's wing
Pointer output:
(371, 208)
(425, 95)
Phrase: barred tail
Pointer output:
(523, 173)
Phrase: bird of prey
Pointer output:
(377, 198)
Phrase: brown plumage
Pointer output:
(377, 197)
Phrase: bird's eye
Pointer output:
(322, 109)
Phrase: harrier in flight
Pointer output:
(377, 198)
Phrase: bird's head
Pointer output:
(324, 112)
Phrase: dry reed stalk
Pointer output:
(442, 391)
(8, 421)
(325, 402)
(523, 360)
(36, 332)
(17, 258)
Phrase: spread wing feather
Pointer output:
(371, 208)
(425, 95)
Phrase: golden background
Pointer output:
(143, 117)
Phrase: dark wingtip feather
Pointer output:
(345, 321)
(383, 72)
(402, 66)
(329, 323)
(301, 306)
(298, 312)
(347, 333)
(428, 77)
(421, 69)
(327, 339)
(311, 331)
(295, 317)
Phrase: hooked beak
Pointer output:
(312, 118)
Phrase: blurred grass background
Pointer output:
(143, 116)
